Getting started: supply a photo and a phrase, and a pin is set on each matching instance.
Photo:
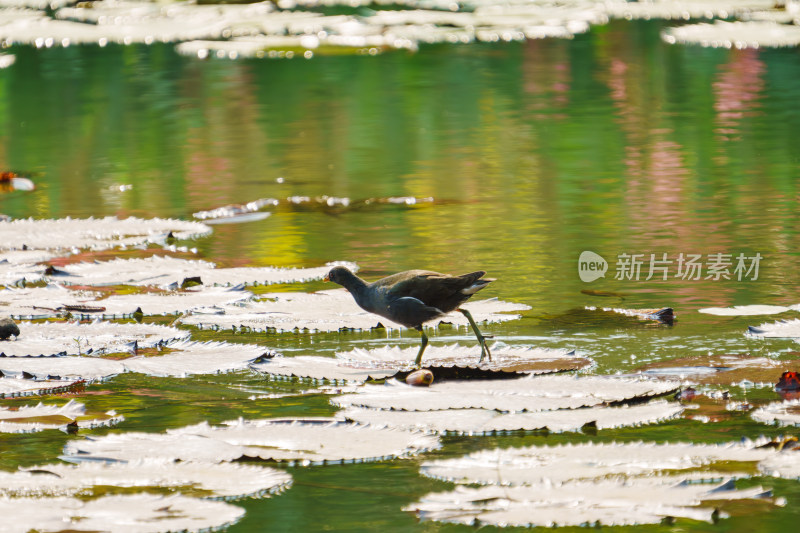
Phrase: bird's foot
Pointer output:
(485, 353)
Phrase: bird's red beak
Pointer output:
(326, 278)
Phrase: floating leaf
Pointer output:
(532, 465)
(484, 421)
(721, 34)
(138, 513)
(84, 369)
(29, 419)
(782, 329)
(785, 465)
(531, 394)
(786, 413)
(717, 369)
(186, 358)
(504, 358)
(747, 310)
(331, 310)
(683, 9)
(298, 441)
(11, 387)
(321, 368)
(94, 233)
(219, 480)
(61, 338)
(169, 272)
(607, 502)
(663, 315)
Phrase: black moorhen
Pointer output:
(414, 297)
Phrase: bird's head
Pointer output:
(338, 274)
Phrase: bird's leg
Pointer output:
(421, 348)
(481, 338)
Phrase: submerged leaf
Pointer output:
(138, 513)
(717, 369)
(298, 441)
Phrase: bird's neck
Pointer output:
(357, 286)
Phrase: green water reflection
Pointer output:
(534, 152)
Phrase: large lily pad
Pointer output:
(61, 338)
(584, 462)
(321, 369)
(169, 272)
(29, 419)
(297, 441)
(722, 34)
(529, 359)
(485, 422)
(747, 310)
(331, 310)
(684, 9)
(56, 300)
(447, 362)
(607, 502)
(782, 329)
(786, 413)
(138, 513)
(528, 394)
(13, 387)
(217, 480)
(94, 234)
(186, 358)
(718, 369)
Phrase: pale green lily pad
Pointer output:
(487, 422)
(605, 502)
(181, 358)
(321, 369)
(169, 272)
(530, 359)
(684, 9)
(747, 310)
(721, 34)
(218, 480)
(331, 310)
(782, 329)
(532, 465)
(62, 338)
(94, 233)
(30, 419)
(138, 513)
(188, 358)
(13, 387)
(786, 413)
(525, 394)
(296, 441)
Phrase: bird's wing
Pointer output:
(432, 288)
